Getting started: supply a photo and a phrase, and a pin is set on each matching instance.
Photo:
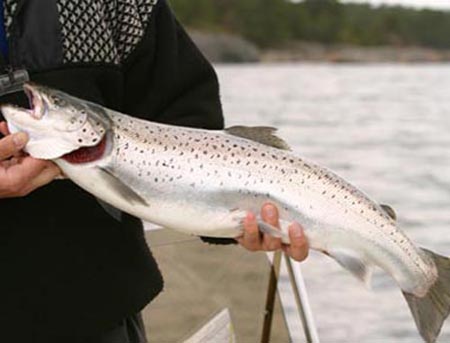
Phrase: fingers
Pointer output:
(12, 144)
(25, 176)
(269, 214)
(251, 239)
(4, 128)
(299, 247)
(45, 177)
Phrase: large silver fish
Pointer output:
(204, 182)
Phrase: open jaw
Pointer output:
(38, 107)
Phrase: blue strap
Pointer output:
(4, 49)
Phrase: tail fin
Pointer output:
(430, 311)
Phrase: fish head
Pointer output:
(56, 123)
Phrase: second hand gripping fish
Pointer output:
(204, 182)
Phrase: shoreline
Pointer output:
(227, 48)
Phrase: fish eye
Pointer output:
(57, 101)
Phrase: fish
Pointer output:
(204, 182)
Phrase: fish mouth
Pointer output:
(37, 105)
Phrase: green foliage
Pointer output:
(273, 23)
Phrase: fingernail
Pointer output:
(297, 230)
(250, 216)
(20, 139)
(270, 211)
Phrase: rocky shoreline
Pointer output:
(227, 48)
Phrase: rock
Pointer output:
(310, 51)
(225, 48)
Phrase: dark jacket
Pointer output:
(67, 267)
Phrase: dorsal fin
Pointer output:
(389, 211)
(261, 134)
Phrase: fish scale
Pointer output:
(207, 162)
(204, 183)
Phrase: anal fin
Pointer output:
(354, 264)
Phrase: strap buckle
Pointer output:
(13, 81)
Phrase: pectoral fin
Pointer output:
(354, 264)
(121, 188)
(111, 210)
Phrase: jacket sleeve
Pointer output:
(168, 80)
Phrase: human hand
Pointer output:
(21, 174)
(252, 239)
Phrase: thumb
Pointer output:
(4, 128)
(12, 144)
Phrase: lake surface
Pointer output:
(386, 129)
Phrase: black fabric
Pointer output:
(36, 35)
(69, 270)
(130, 330)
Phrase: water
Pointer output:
(385, 128)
